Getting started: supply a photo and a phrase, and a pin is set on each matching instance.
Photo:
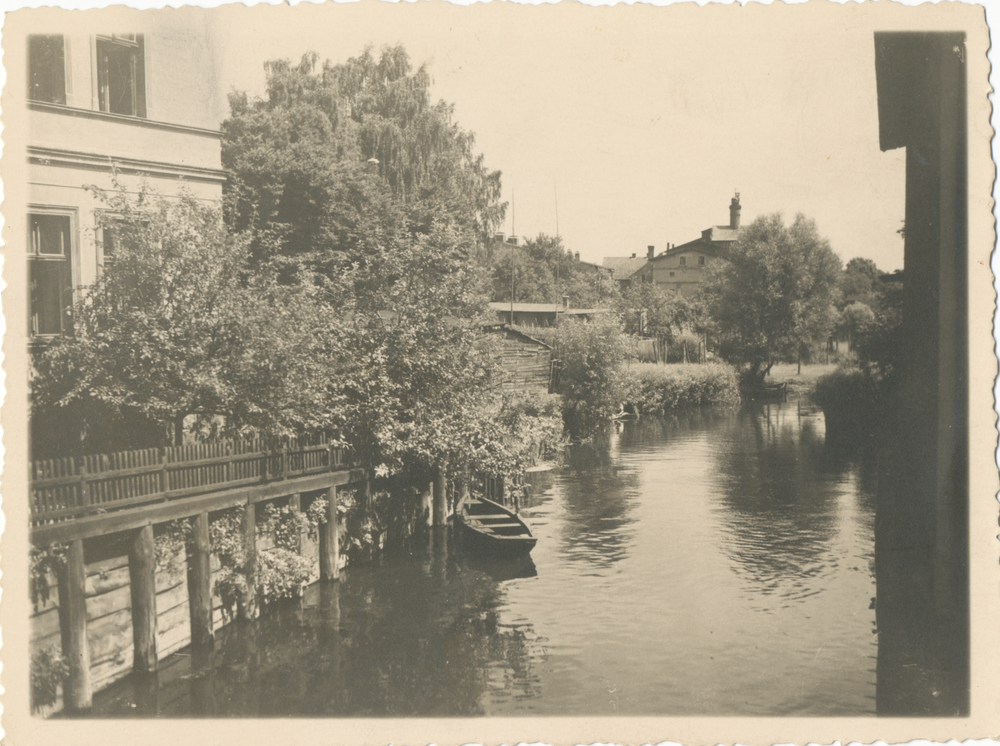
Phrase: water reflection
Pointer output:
(676, 561)
(776, 496)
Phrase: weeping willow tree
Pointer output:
(354, 174)
(334, 158)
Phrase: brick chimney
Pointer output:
(650, 250)
(734, 212)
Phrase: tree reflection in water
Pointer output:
(599, 501)
(405, 639)
(780, 495)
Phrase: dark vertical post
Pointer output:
(250, 567)
(921, 533)
(142, 582)
(73, 626)
(295, 505)
(441, 497)
(427, 503)
(200, 582)
(329, 549)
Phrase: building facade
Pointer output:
(143, 105)
(683, 268)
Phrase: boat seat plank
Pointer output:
(502, 525)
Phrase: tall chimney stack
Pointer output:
(650, 250)
(734, 212)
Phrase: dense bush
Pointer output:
(850, 401)
(591, 375)
(658, 389)
(48, 671)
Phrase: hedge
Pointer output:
(658, 389)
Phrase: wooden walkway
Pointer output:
(93, 495)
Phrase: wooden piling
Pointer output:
(440, 501)
(250, 567)
(329, 542)
(427, 504)
(78, 694)
(142, 581)
(200, 583)
(463, 490)
(295, 505)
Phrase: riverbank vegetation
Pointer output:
(660, 389)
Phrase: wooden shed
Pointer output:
(526, 361)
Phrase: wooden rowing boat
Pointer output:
(490, 528)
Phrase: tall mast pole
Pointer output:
(513, 242)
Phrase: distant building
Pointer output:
(540, 314)
(682, 268)
(145, 103)
(623, 267)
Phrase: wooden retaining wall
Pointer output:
(109, 612)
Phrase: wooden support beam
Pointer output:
(249, 525)
(73, 625)
(142, 581)
(200, 583)
(329, 541)
(440, 504)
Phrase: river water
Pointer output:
(717, 563)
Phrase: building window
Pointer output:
(47, 68)
(684, 261)
(701, 261)
(671, 274)
(50, 269)
(121, 78)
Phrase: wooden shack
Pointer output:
(526, 361)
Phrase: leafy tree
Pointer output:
(648, 309)
(176, 327)
(330, 159)
(859, 282)
(854, 320)
(544, 271)
(776, 294)
(592, 376)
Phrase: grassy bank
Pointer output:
(803, 382)
(658, 389)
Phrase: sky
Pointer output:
(634, 126)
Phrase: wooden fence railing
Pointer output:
(71, 487)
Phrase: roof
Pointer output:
(512, 331)
(526, 307)
(699, 244)
(504, 306)
(720, 233)
(623, 267)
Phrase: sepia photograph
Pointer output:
(418, 373)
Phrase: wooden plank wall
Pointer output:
(109, 620)
(527, 366)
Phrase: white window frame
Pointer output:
(134, 41)
(72, 256)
